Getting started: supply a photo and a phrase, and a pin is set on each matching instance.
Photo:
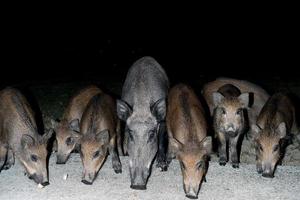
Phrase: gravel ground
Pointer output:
(222, 183)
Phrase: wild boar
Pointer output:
(229, 120)
(188, 140)
(143, 108)
(275, 122)
(67, 130)
(99, 134)
(19, 135)
(258, 96)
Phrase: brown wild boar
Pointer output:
(19, 135)
(275, 121)
(67, 130)
(260, 96)
(188, 140)
(229, 120)
(99, 134)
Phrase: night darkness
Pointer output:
(76, 54)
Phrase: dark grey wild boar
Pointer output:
(19, 135)
(229, 120)
(188, 140)
(143, 108)
(67, 130)
(260, 96)
(275, 122)
(99, 134)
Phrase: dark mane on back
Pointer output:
(20, 108)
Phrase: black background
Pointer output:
(71, 49)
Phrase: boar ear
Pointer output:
(207, 144)
(123, 110)
(48, 135)
(174, 145)
(27, 141)
(74, 125)
(158, 109)
(217, 98)
(244, 100)
(103, 136)
(281, 129)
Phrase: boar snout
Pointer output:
(138, 187)
(232, 133)
(191, 192)
(61, 159)
(39, 179)
(268, 171)
(87, 182)
(139, 178)
(88, 178)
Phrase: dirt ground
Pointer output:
(222, 183)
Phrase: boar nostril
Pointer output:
(45, 183)
(60, 162)
(87, 182)
(191, 196)
(138, 187)
(268, 175)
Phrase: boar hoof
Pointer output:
(162, 165)
(6, 166)
(259, 170)
(235, 165)
(222, 161)
(117, 168)
(118, 171)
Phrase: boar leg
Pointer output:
(125, 144)
(10, 161)
(162, 143)
(222, 149)
(119, 139)
(116, 163)
(233, 152)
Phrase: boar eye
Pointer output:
(34, 158)
(200, 165)
(96, 154)
(276, 148)
(182, 165)
(151, 135)
(69, 141)
(260, 147)
(239, 112)
(223, 111)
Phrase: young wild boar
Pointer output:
(99, 135)
(143, 108)
(188, 140)
(274, 123)
(67, 130)
(229, 120)
(19, 136)
(260, 96)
